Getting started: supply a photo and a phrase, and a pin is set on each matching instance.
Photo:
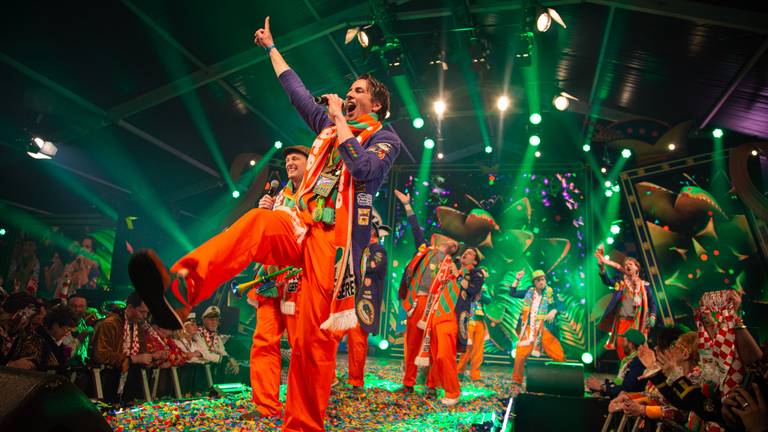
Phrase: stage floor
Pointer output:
(380, 407)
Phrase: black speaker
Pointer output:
(565, 379)
(550, 413)
(35, 401)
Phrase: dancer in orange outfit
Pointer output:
(475, 329)
(275, 308)
(324, 234)
(368, 306)
(415, 286)
(537, 323)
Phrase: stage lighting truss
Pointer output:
(438, 58)
(392, 54)
(39, 148)
(524, 48)
(479, 51)
(369, 37)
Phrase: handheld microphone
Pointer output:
(322, 100)
(271, 188)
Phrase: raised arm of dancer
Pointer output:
(418, 233)
(313, 114)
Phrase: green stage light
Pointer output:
(586, 358)
(535, 118)
(383, 344)
(278, 144)
(615, 229)
(608, 183)
(235, 194)
(2, 231)
(586, 147)
(488, 149)
(534, 140)
(429, 143)
(717, 133)
(609, 240)
(537, 154)
(608, 193)
(626, 153)
(418, 122)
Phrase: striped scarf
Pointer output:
(439, 284)
(324, 154)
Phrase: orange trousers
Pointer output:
(474, 353)
(442, 361)
(622, 326)
(357, 349)
(413, 336)
(265, 355)
(551, 346)
(268, 237)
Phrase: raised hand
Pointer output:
(403, 198)
(263, 36)
(519, 275)
(647, 356)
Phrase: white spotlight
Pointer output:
(502, 103)
(671, 147)
(41, 149)
(440, 155)
(543, 21)
(561, 102)
(439, 107)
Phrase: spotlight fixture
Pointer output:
(535, 118)
(438, 58)
(38, 148)
(429, 143)
(502, 103)
(479, 52)
(545, 17)
(537, 154)
(252, 162)
(534, 140)
(586, 147)
(418, 123)
(671, 147)
(393, 56)
(615, 229)
(439, 107)
(603, 170)
(488, 149)
(754, 152)
(367, 36)
(278, 145)
(562, 101)
(626, 153)
(524, 48)
(609, 240)
(383, 344)
(717, 133)
(235, 194)
(440, 155)
(608, 183)
(586, 358)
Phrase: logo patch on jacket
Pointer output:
(381, 149)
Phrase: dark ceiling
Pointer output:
(154, 95)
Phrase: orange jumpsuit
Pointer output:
(266, 359)
(474, 353)
(442, 344)
(269, 236)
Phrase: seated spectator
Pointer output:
(16, 317)
(160, 340)
(78, 342)
(630, 369)
(40, 349)
(120, 345)
(214, 341)
(191, 342)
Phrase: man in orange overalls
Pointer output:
(276, 307)
(324, 234)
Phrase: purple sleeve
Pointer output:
(375, 160)
(313, 114)
(418, 233)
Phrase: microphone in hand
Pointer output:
(323, 100)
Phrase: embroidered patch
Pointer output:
(381, 149)
(293, 285)
(365, 311)
(363, 216)
(364, 199)
(464, 325)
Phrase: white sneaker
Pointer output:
(449, 401)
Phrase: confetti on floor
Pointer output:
(380, 406)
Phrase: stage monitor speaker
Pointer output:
(551, 413)
(35, 401)
(565, 379)
(230, 320)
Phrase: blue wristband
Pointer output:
(269, 48)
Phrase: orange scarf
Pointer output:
(443, 276)
(342, 315)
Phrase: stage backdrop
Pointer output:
(541, 221)
(696, 233)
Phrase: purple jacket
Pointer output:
(368, 164)
(612, 311)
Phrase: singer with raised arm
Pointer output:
(632, 304)
(275, 300)
(324, 234)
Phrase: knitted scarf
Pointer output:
(212, 339)
(130, 339)
(722, 350)
(531, 320)
(324, 154)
